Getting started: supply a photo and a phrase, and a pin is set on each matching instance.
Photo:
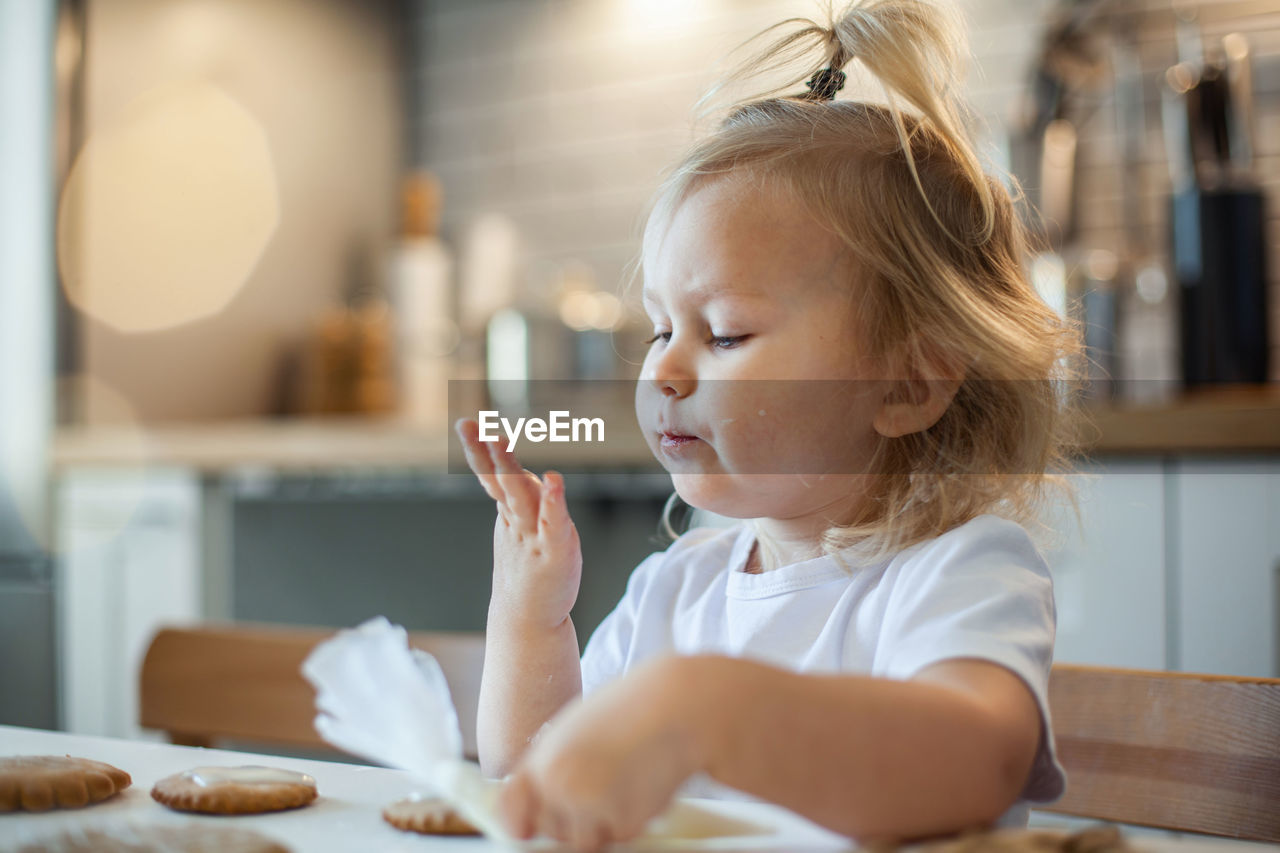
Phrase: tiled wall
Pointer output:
(562, 114)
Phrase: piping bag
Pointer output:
(385, 702)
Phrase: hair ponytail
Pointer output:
(916, 50)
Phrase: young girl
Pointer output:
(847, 355)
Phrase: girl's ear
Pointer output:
(917, 402)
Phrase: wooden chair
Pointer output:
(244, 682)
(1194, 753)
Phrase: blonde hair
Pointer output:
(939, 251)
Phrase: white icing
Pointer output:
(246, 775)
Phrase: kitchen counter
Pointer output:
(292, 444)
(322, 444)
(1232, 421)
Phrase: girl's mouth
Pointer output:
(675, 442)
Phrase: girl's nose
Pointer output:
(669, 372)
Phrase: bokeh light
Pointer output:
(167, 210)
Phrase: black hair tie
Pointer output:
(824, 85)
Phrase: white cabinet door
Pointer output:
(128, 562)
(1226, 523)
(1109, 567)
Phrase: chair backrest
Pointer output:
(244, 682)
(1194, 753)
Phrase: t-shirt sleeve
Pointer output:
(609, 649)
(981, 591)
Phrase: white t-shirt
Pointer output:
(981, 590)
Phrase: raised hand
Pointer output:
(537, 558)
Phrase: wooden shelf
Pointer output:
(288, 444)
(1230, 420)
(310, 445)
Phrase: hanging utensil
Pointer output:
(1177, 125)
(1217, 217)
(1057, 179)
(1240, 89)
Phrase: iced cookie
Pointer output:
(37, 783)
(157, 839)
(427, 815)
(235, 790)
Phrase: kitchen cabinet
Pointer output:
(1109, 566)
(1225, 566)
(326, 549)
(1178, 566)
(128, 562)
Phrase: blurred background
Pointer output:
(247, 243)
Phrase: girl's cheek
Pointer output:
(646, 365)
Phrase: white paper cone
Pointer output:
(388, 703)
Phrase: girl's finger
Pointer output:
(478, 458)
(625, 828)
(586, 835)
(553, 512)
(487, 460)
(521, 488)
(517, 806)
(551, 823)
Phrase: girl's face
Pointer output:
(754, 394)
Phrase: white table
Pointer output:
(345, 817)
(347, 814)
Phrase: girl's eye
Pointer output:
(717, 341)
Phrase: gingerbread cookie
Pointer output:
(37, 783)
(427, 815)
(157, 839)
(235, 790)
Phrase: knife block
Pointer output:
(1218, 243)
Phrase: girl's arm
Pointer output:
(531, 666)
(530, 672)
(868, 757)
